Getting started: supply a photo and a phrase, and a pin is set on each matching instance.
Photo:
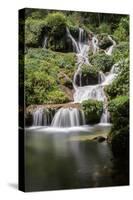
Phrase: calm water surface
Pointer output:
(69, 158)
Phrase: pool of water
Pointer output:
(68, 158)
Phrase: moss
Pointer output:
(93, 111)
(102, 62)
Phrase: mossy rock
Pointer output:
(93, 110)
(104, 41)
(102, 62)
(89, 75)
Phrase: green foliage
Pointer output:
(89, 74)
(120, 85)
(122, 32)
(57, 96)
(104, 28)
(33, 29)
(42, 69)
(102, 62)
(93, 110)
(56, 23)
(119, 110)
(55, 20)
(121, 51)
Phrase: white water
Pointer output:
(42, 117)
(70, 117)
(95, 46)
(67, 117)
(45, 41)
(110, 49)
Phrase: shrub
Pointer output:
(120, 85)
(93, 110)
(33, 29)
(119, 110)
(121, 51)
(42, 70)
(104, 28)
(102, 62)
(89, 75)
(122, 32)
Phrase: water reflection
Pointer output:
(60, 159)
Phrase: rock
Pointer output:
(99, 139)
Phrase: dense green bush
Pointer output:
(119, 110)
(42, 69)
(104, 28)
(121, 51)
(33, 29)
(102, 62)
(93, 110)
(89, 75)
(120, 85)
(122, 32)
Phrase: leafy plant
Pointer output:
(93, 110)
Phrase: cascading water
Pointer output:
(110, 49)
(45, 41)
(42, 117)
(67, 117)
(95, 46)
(70, 117)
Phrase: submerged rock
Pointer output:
(99, 139)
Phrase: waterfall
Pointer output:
(105, 116)
(101, 77)
(67, 117)
(74, 43)
(42, 117)
(45, 41)
(82, 49)
(95, 92)
(95, 46)
(110, 49)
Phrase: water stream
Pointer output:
(74, 116)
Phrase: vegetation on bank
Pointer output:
(44, 71)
